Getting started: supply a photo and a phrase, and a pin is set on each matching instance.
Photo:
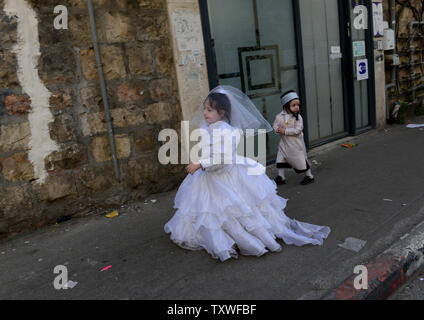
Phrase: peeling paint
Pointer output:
(27, 52)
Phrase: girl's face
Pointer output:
(295, 106)
(211, 114)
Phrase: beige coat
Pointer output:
(292, 149)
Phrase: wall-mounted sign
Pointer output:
(359, 48)
(361, 69)
(187, 29)
(335, 49)
(334, 56)
(377, 12)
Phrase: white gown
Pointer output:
(223, 208)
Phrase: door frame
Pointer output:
(211, 57)
(347, 67)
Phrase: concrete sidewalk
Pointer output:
(349, 196)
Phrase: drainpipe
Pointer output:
(393, 23)
(394, 82)
(103, 87)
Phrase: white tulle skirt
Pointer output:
(227, 209)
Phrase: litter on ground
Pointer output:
(349, 145)
(413, 126)
(104, 269)
(112, 214)
(353, 244)
(70, 284)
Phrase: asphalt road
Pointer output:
(349, 196)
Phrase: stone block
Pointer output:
(100, 147)
(61, 98)
(146, 141)
(142, 171)
(158, 112)
(18, 104)
(92, 98)
(160, 89)
(48, 35)
(118, 27)
(127, 117)
(68, 157)
(48, 5)
(132, 91)
(140, 60)
(112, 61)
(55, 187)
(14, 201)
(62, 129)
(9, 65)
(152, 27)
(96, 179)
(17, 167)
(80, 29)
(95, 123)
(152, 4)
(14, 137)
(58, 66)
(8, 31)
(127, 5)
(164, 59)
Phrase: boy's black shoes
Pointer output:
(279, 181)
(307, 180)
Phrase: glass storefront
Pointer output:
(267, 47)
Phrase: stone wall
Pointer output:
(407, 77)
(138, 66)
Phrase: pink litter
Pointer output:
(108, 267)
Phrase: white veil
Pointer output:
(244, 114)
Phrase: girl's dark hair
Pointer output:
(287, 105)
(220, 102)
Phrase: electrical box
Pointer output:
(389, 39)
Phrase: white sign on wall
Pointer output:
(188, 30)
(361, 69)
(377, 11)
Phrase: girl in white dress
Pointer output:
(221, 206)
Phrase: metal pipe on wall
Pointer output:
(103, 88)
(393, 24)
(394, 82)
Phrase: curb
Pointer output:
(388, 271)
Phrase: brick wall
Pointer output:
(139, 71)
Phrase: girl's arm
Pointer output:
(298, 128)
